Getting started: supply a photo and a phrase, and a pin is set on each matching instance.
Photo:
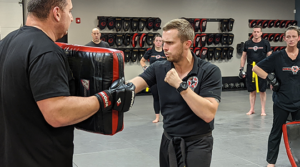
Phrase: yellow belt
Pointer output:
(255, 77)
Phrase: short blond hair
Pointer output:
(185, 29)
(292, 28)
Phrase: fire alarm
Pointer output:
(78, 20)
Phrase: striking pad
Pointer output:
(276, 37)
(157, 22)
(203, 25)
(230, 24)
(94, 70)
(282, 24)
(252, 23)
(141, 53)
(142, 24)
(127, 39)
(230, 38)
(210, 39)
(111, 39)
(150, 38)
(217, 38)
(134, 39)
(223, 26)
(149, 23)
(196, 25)
(202, 40)
(197, 51)
(134, 24)
(224, 39)
(203, 53)
(119, 39)
(224, 53)
(102, 22)
(127, 55)
(271, 23)
(210, 53)
(118, 24)
(111, 23)
(196, 40)
(126, 24)
(277, 23)
(217, 53)
(291, 138)
(230, 53)
(134, 54)
(142, 39)
(265, 23)
(103, 37)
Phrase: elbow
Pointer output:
(55, 122)
(53, 119)
(209, 118)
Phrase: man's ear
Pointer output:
(56, 13)
(188, 44)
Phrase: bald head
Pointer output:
(96, 35)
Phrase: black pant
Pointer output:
(156, 104)
(279, 118)
(198, 152)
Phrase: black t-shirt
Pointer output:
(288, 74)
(32, 68)
(179, 120)
(256, 51)
(102, 44)
(154, 55)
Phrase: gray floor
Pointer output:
(239, 139)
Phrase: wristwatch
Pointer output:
(183, 86)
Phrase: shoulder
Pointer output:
(207, 67)
(149, 51)
(265, 41)
(89, 44)
(161, 64)
(248, 42)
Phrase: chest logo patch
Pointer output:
(85, 83)
(294, 69)
(255, 48)
(158, 56)
(193, 82)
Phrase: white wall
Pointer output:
(11, 16)
(240, 10)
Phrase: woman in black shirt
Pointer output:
(285, 65)
(154, 54)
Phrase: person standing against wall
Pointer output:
(154, 54)
(255, 50)
(97, 42)
(281, 69)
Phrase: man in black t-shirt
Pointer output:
(97, 42)
(189, 91)
(255, 50)
(37, 113)
(286, 88)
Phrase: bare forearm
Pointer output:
(64, 111)
(243, 59)
(143, 62)
(205, 108)
(260, 72)
(139, 84)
